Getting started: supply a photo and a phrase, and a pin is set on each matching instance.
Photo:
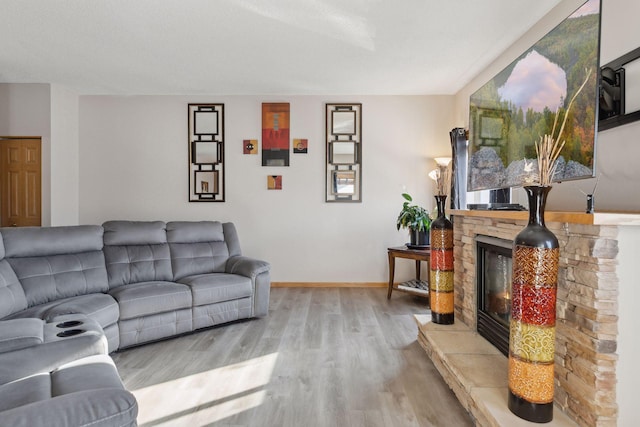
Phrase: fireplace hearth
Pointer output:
(493, 277)
(587, 374)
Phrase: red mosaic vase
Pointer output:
(441, 267)
(533, 314)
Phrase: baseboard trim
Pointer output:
(329, 284)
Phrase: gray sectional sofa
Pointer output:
(71, 295)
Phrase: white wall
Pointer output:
(25, 110)
(64, 155)
(628, 343)
(618, 153)
(617, 150)
(50, 112)
(133, 165)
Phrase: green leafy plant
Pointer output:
(413, 217)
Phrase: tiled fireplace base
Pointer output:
(476, 372)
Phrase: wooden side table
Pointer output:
(417, 286)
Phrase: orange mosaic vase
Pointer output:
(533, 314)
(441, 267)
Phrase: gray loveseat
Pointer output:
(71, 295)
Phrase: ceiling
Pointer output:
(258, 47)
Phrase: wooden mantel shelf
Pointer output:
(598, 218)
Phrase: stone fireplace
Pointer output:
(587, 307)
(586, 325)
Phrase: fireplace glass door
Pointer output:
(494, 290)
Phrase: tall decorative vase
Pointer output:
(533, 314)
(441, 267)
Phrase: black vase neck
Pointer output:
(440, 203)
(537, 196)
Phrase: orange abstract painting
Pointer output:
(275, 134)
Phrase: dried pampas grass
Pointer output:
(442, 176)
(548, 147)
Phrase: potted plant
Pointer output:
(416, 219)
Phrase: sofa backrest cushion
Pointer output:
(12, 298)
(45, 241)
(136, 251)
(56, 262)
(201, 247)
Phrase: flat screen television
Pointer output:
(516, 107)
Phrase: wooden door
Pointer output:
(20, 182)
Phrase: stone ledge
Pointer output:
(578, 218)
(476, 372)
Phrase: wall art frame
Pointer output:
(300, 146)
(249, 146)
(206, 153)
(276, 143)
(274, 182)
(343, 141)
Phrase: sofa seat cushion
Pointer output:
(146, 298)
(218, 287)
(100, 307)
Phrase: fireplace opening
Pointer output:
(493, 279)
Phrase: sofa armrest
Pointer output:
(259, 272)
(69, 338)
(16, 334)
(245, 266)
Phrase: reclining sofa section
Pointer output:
(70, 295)
(139, 280)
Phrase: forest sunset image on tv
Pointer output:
(519, 105)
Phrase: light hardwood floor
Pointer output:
(322, 357)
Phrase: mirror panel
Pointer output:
(343, 122)
(344, 182)
(205, 122)
(343, 153)
(343, 140)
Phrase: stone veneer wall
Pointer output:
(586, 324)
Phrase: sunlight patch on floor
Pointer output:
(207, 396)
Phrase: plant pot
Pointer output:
(419, 238)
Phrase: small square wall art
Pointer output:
(300, 146)
(274, 182)
(250, 146)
